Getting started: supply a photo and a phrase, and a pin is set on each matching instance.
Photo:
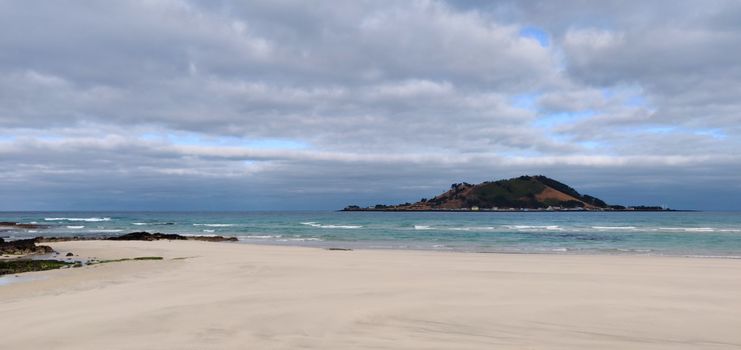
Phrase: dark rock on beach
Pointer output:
(212, 238)
(23, 247)
(146, 236)
(138, 236)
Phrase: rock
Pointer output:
(69, 254)
(146, 236)
(23, 246)
(212, 238)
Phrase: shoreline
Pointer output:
(351, 246)
(206, 295)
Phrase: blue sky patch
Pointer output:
(536, 33)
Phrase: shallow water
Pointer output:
(716, 234)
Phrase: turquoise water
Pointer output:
(716, 234)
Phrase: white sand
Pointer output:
(234, 296)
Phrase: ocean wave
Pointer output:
(614, 227)
(78, 219)
(215, 225)
(713, 256)
(139, 223)
(422, 227)
(104, 231)
(535, 227)
(198, 234)
(473, 228)
(299, 239)
(626, 250)
(317, 225)
(261, 236)
(688, 229)
(75, 227)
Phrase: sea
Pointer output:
(690, 234)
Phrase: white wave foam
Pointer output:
(214, 225)
(473, 228)
(75, 227)
(314, 224)
(139, 223)
(299, 239)
(714, 256)
(198, 234)
(78, 219)
(614, 227)
(688, 229)
(700, 229)
(634, 250)
(536, 227)
(422, 227)
(105, 231)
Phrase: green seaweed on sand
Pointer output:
(93, 262)
(24, 265)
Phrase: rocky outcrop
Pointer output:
(23, 247)
(146, 236)
(212, 238)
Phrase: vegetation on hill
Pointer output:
(524, 192)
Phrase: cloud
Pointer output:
(296, 104)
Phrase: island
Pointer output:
(524, 193)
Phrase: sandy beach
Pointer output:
(236, 296)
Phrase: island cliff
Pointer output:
(521, 193)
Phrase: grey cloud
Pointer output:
(98, 101)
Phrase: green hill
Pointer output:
(524, 192)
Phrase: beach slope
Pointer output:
(233, 296)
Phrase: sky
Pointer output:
(314, 105)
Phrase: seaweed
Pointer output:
(23, 265)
